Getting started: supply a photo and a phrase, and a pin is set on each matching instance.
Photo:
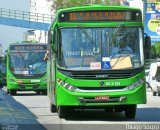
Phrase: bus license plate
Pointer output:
(102, 98)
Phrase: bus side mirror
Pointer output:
(46, 57)
(53, 48)
(147, 47)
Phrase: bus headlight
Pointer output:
(45, 80)
(136, 84)
(66, 85)
(11, 79)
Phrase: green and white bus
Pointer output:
(26, 68)
(84, 71)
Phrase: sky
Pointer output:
(10, 34)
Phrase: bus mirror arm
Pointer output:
(53, 48)
(147, 46)
(46, 57)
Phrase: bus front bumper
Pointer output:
(68, 98)
(28, 87)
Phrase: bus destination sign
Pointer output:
(28, 47)
(100, 16)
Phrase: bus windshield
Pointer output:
(27, 62)
(88, 48)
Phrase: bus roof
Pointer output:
(25, 43)
(91, 8)
(97, 7)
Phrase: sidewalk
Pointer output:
(16, 116)
(6, 116)
(1, 95)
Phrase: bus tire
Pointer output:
(13, 92)
(130, 111)
(154, 93)
(158, 91)
(8, 91)
(61, 110)
(1, 85)
(53, 108)
(38, 92)
(44, 92)
(147, 85)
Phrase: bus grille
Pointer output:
(101, 88)
(23, 86)
(102, 76)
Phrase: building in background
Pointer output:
(40, 7)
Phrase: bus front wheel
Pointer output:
(44, 92)
(61, 111)
(12, 92)
(154, 93)
(53, 108)
(158, 91)
(130, 111)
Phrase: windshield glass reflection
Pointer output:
(83, 48)
(27, 63)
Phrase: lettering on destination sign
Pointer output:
(110, 15)
(100, 15)
(28, 47)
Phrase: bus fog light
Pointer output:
(19, 81)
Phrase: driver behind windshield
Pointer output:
(122, 48)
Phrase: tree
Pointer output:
(153, 52)
(157, 48)
(60, 4)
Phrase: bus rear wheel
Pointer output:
(130, 111)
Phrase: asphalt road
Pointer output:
(27, 110)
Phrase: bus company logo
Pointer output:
(102, 76)
(102, 83)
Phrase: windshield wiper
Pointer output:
(120, 27)
(95, 49)
(87, 34)
(82, 55)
